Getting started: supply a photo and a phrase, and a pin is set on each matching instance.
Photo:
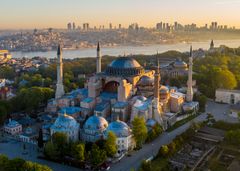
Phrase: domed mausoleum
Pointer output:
(94, 128)
(68, 125)
(125, 140)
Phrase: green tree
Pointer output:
(51, 151)
(30, 99)
(18, 164)
(145, 166)
(40, 138)
(30, 166)
(164, 151)
(139, 131)
(61, 142)
(110, 144)
(202, 100)
(4, 163)
(172, 148)
(7, 72)
(97, 156)
(79, 151)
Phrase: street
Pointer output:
(219, 111)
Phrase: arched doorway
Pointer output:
(111, 87)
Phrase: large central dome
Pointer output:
(124, 66)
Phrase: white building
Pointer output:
(227, 96)
(125, 141)
(67, 125)
(13, 127)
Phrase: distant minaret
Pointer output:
(189, 97)
(212, 45)
(99, 59)
(60, 88)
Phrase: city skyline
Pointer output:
(43, 14)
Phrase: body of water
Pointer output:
(121, 50)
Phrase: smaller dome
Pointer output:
(119, 128)
(64, 122)
(96, 123)
(180, 64)
(145, 81)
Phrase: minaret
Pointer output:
(156, 115)
(60, 89)
(189, 97)
(212, 45)
(99, 59)
(156, 81)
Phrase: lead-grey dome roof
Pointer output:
(64, 122)
(124, 66)
(125, 62)
(119, 128)
(96, 123)
(180, 64)
(145, 81)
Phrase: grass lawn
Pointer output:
(182, 122)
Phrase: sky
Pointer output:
(28, 14)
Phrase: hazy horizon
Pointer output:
(27, 14)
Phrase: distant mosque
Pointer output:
(114, 97)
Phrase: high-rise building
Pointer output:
(110, 26)
(85, 26)
(176, 26)
(69, 26)
(120, 26)
(159, 26)
(73, 26)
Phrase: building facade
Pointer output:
(227, 96)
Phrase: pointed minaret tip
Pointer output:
(191, 51)
(98, 46)
(59, 50)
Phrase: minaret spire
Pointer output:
(99, 59)
(60, 89)
(156, 79)
(189, 97)
(156, 106)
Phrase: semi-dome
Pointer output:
(145, 81)
(64, 122)
(96, 123)
(180, 64)
(119, 128)
(124, 66)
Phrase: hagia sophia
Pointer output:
(112, 98)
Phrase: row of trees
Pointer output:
(27, 99)
(166, 151)
(96, 153)
(217, 71)
(19, 164)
